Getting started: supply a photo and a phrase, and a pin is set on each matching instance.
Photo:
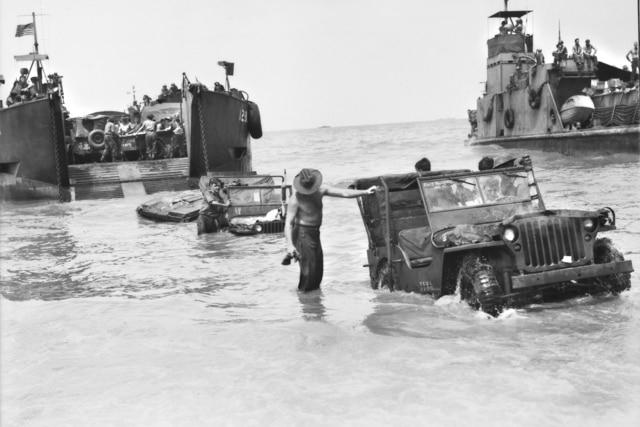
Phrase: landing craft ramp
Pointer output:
(127, 179)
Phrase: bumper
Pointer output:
(567, 274)
(260, 227)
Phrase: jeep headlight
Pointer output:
(589, 224)
(258, 228)
(440, 239)
(510, 234)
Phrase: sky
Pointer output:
(306, 63)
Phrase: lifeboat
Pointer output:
(577, 109)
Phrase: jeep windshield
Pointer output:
(255, 195)
(476, 191)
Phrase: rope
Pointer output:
(613, 110)
(635, 113)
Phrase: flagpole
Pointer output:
(35, 45)
(35, 32)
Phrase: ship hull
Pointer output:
(216, 126)
(34, 166)
(601, 141)
(33, 163)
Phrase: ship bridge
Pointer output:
(505, 48)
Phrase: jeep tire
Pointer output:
(478, 284)
(381, 279)
(603, 252)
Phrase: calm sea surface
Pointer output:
(112, 320)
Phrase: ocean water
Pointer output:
(107, 319)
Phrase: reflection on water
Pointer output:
(104, 313)
(311, 305)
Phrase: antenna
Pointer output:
(133, 91)
(559, 38)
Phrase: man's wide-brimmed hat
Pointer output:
(308, 181)
(504, 161)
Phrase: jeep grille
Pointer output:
(273, 226)
(547, 240)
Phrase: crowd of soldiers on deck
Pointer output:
(583, 56)
(149, 147)
(26, 89)
(167, 94)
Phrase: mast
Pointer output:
(506, 9)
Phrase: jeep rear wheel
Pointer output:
(382, 276)
(604, 252)
(478, 285)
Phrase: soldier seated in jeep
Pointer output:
(487, 236)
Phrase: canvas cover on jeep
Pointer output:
(398, 182)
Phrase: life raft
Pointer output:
(97, 139)
(509, 119)
(535, 98)
(185, 207)
(255, 124)
(486, 116)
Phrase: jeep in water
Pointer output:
(487, 236)
(257, 204)
(244, 205)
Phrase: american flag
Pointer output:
(24, 30)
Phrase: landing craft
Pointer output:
(568, 104)
(46, 154)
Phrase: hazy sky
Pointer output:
(306, 63)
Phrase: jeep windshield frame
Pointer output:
(263, 194)
(479, 197)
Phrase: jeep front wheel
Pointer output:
(604, 252)
(478, 285)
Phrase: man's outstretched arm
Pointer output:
(292, 212)
(348, 193)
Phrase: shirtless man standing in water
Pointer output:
(302, 228)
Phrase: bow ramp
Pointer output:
(128, 179)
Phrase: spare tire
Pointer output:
(97, 139)
(255, 124)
